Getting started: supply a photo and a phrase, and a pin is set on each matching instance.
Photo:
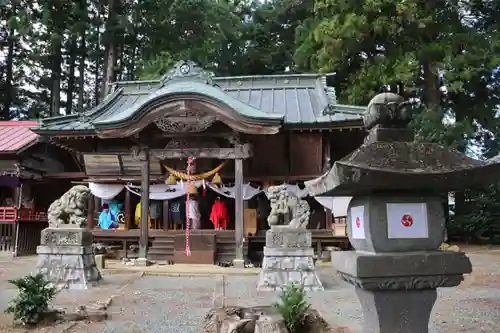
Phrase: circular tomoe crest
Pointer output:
(407, 221)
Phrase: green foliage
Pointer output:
(480, 220)
(430, 51)
(292, 305)
(32, 300)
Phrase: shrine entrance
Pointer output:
(189, 119)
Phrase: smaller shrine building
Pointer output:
(28, 166)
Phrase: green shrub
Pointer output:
(32, 300)
(292, 305)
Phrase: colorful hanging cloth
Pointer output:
(219, 215)
(107, 220)
(138, 216)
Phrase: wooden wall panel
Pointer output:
(270, 156)
(132, 166)
(101, 164)
(117, 165)
(306, 153)
(342, 143)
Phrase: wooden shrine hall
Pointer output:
(241, 132)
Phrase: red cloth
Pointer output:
(219, 215)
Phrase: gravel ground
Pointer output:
(65, 300)
(178, 304)
(168, 304)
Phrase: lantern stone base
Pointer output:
(66, 257)
(288, 258)
(397, 311)
(397, 291)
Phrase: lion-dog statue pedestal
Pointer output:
(66, 255)
(288, 254)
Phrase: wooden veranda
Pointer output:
(208, 246)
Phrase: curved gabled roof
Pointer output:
(188, 90)
(290, 99)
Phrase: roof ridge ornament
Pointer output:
(187, 70)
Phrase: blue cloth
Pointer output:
(114, 206)
(107, 220)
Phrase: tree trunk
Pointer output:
(82, 53)
(56, 76)
(120, 61)
(73, 48)
(97, 61)
(109, 68)
(81, 70)
(432, 94)
(9, 69)
(134, 47)
(111, 51)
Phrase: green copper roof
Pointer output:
(185, 88)
(293, 99)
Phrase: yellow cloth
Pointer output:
(138, 216)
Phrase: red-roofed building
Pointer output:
(16, 136)
(27, 162)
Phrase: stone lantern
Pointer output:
(396, 220)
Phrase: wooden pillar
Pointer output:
(90, 213)
(128, 211)
(238, 216)
(144, 236)
(329, 219)
(96, 210)
(19, 202)
(18, 195)
(165, 221)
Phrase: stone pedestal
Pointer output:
(386, 312)
(66, 257)
(397, 291)
(288, 257)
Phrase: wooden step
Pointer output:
(164, 241)
(162, 249)
(166, 252)
(161, 252)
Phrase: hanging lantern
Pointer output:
(192, 189)
(217, 180)
(171, 180)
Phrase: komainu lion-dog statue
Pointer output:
(286, 206)
(71, 209)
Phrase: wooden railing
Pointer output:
(13, 214)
